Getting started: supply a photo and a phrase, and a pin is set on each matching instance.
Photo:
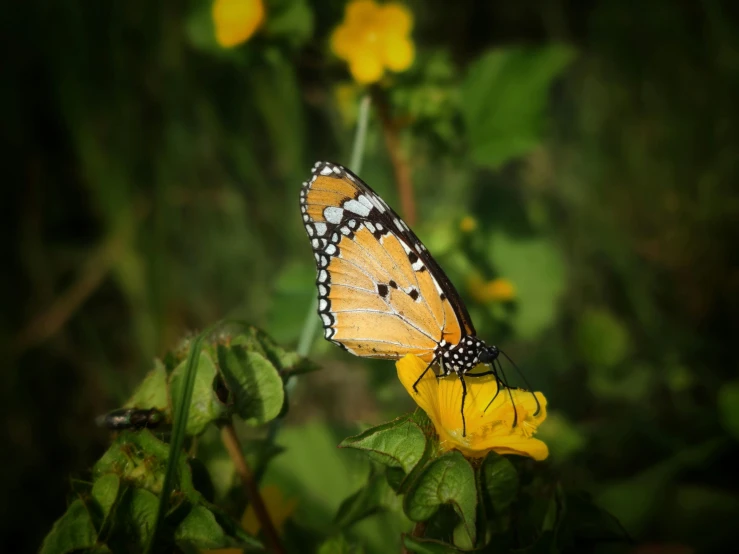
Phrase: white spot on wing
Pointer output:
(320, 228)
(326, 170)
(330, 249)
(363, 199)
(377, 203)
(332, 214)
(322, 276)
(370, 227)
(322, 304)
(357, 208)
(326, 319)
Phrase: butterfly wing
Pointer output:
(380, 292)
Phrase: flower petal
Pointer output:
(343, 42)
(236, 21)
(366, 66)
(360, 13)
(398, 53)
(490, 412)
(409, 369)
(396, 19)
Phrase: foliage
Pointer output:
(572, 168)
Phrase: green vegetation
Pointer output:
(572, 168)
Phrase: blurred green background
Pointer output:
(152, 183)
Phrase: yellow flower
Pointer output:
(487, 429)
(236, 20)
(496, 290)
(373, 38)
(468, 224)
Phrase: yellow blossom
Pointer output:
(487, 429)
(374, 37)
(236, 20)
(495, 290)
(468, 224)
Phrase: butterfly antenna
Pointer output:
(510, 394)
(526, 382)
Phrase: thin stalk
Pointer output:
(401, 168)
(308, 334)
(231, 442)
(182, 409)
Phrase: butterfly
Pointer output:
(380, 292)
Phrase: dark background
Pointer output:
(151, 188)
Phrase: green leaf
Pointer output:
(152, 392)
(448, 479)
(201, 530)
(601, 339)
(728, 405)
(105, 492)
(139, 513)
(632, 501)
(287, 363)
(256, 386)
(139, 458)
(339, 545)
(586, 521)
(499, 480)
(427, 546)
(504, 100)
(73, 531)
(291, 21)
(537, 270)
(399, 443)
(205, 408)
(369, 500)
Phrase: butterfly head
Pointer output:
(488, 354)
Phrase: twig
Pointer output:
(231, 442)
(401, 169)
(51, 320)
(419, 530)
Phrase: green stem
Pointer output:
(181, 410)
(308, 334)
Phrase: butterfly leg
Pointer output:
(464, 396)
(415, 385)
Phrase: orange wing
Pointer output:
(380, 294)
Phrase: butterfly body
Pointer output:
(380, 293)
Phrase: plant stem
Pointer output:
(308, 334)
(419, 530)
(92, 274)
(401, 169)
(231, 442)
